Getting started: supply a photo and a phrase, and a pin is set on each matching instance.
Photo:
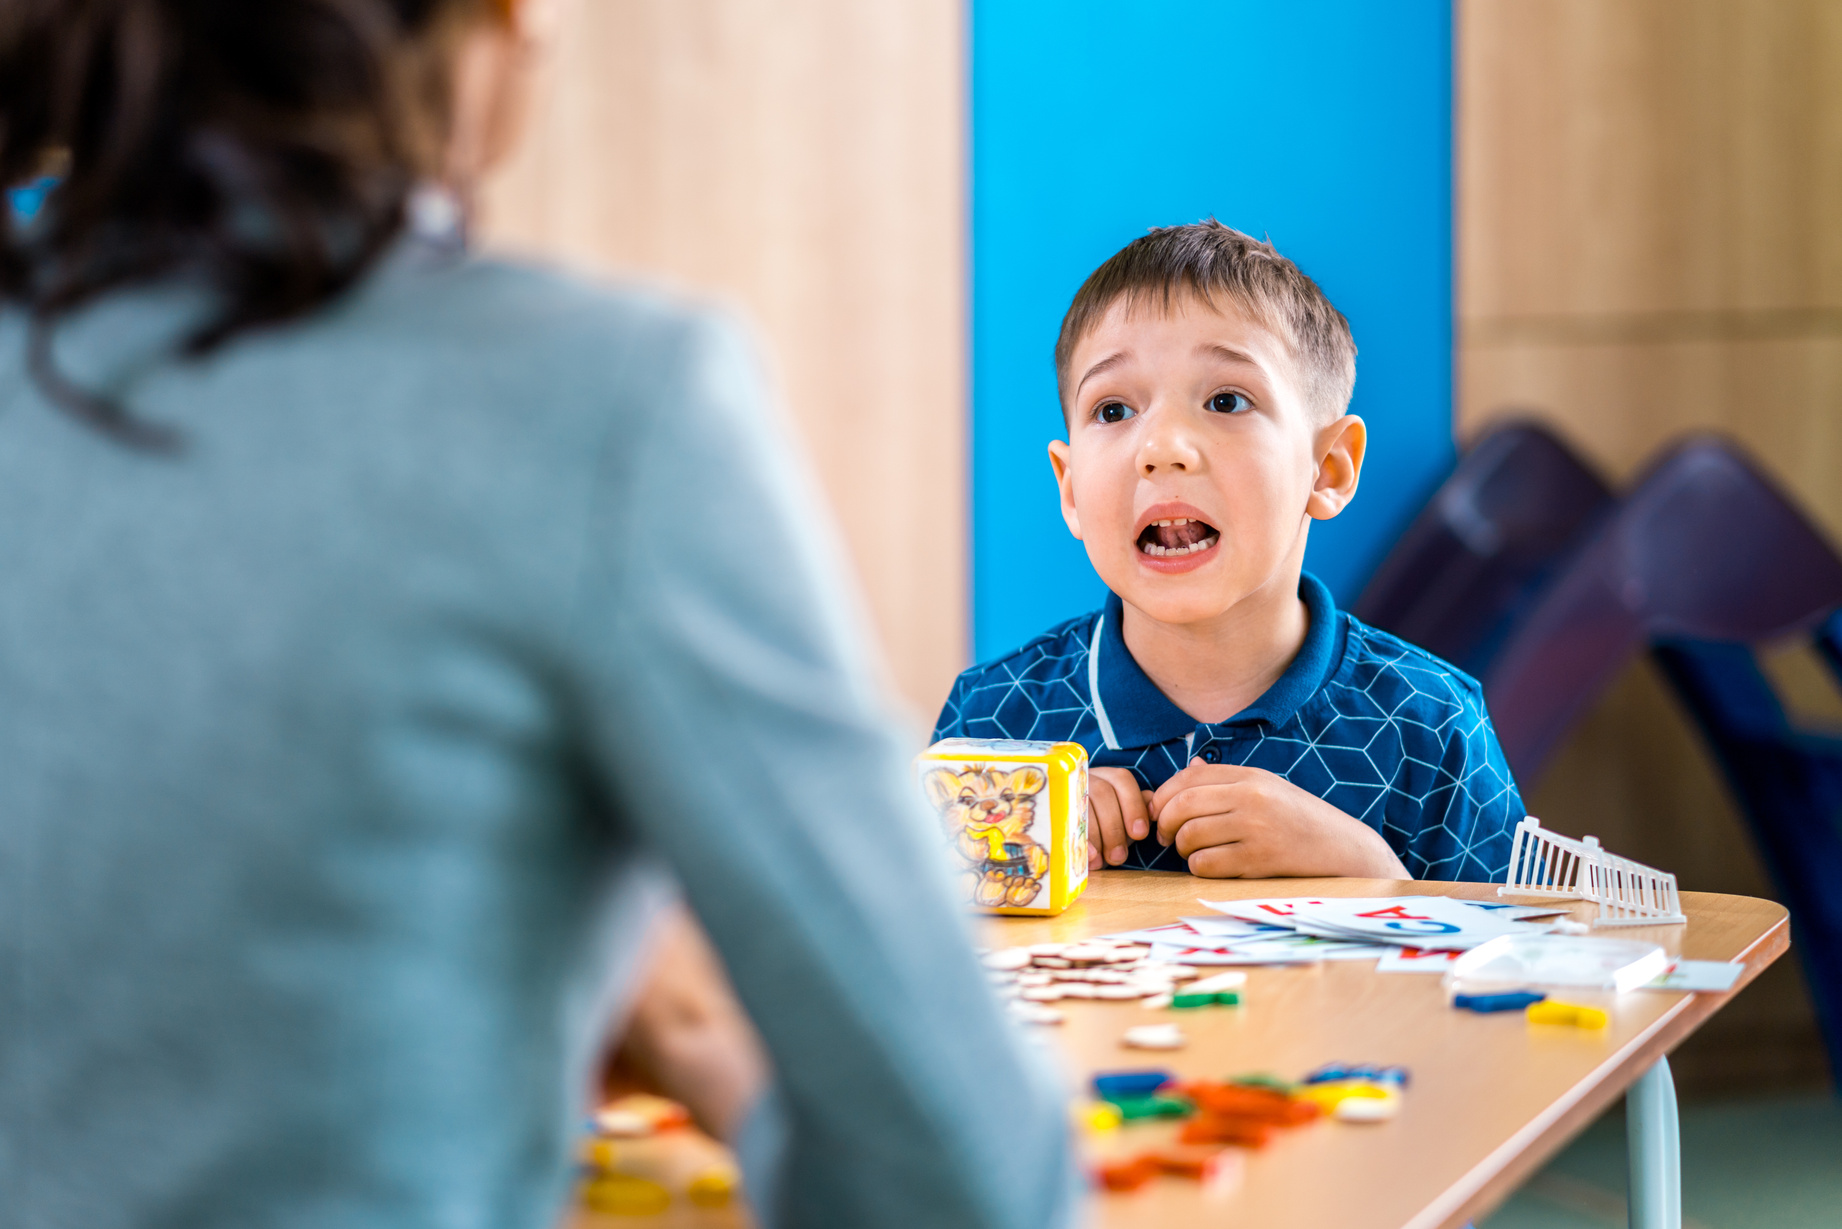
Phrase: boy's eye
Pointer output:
(1114, 411)
(1229, 403)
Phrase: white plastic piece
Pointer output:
(1008, 959)
(1031, 1013)
(1367, 1109)
(1155, 1037)
(1628, 893)
(1556, 960)
(1218, 983)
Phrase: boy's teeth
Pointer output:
(1162, 552)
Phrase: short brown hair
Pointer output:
(1216, 262)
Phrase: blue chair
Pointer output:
(1518, 502)
(1788, 782)
(1703, 547)
(1702, 558)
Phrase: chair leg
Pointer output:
(1654, 1146)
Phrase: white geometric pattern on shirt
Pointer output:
(1395, 738)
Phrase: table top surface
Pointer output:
(1492, 1097)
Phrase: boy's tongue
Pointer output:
(1172, 537)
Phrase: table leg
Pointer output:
(1654, 1145)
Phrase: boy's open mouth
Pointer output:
(1179, 536)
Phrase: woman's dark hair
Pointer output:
(268, 146)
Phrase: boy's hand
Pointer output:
(1119, 812)
(1247, 823)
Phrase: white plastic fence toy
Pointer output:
(1628, 893)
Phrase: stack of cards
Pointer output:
(1305, 930)
(1438, 923)
(1402, 934)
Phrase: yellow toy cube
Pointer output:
(1016, 813)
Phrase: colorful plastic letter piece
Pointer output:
(1483, 1003)
(1131, 1109)
(624, 1195)
(1570, 1014)
(1111, 1085)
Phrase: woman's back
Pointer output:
(343, 747)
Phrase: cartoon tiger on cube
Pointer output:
(989, 813)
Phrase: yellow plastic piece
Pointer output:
(624, 1195)
(1551, 1012)
(1330, 1096)
(1016, 814)
(600, 1154)
(713, 1188)
(1099, 1116)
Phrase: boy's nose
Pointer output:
(1168, 446)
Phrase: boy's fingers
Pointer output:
(1135, 806)
(1201, 833)
(1189, 804)
(1109, 824)
(1219, 862)
(1194, 773)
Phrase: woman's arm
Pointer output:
(735, 712)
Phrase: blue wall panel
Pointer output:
(1325, 126)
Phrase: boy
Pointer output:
(1237, 722)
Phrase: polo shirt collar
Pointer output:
(1132, 712)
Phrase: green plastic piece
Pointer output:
(1132, 1108)
(1264, 1080)
(1222, 998)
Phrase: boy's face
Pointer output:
(1194, 463)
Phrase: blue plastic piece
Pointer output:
(1332, 1073)
(1130, 1083)
(1514, 1001)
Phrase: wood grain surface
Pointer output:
(1646, 245)
(802, 160)
(1491, 1099)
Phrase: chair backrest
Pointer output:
(1704, 546)
(1518, 501)
(1789, 784)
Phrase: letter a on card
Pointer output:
(1398, 912)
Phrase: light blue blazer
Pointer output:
(345, 754)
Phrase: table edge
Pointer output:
(1498, 1175)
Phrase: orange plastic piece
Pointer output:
(1128, 1175)
(1202, 1168)
(1217, 1129)
(1242, 1101)
(1132, 1174)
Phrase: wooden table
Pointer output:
(1492, 1097)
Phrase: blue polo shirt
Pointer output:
(1381, 730)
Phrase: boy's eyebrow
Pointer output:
(1106, 364)
(1228, 353)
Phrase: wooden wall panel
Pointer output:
(1650, 242)
(803, 158)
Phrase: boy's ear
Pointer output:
(1058, 461)
(1340, 449)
